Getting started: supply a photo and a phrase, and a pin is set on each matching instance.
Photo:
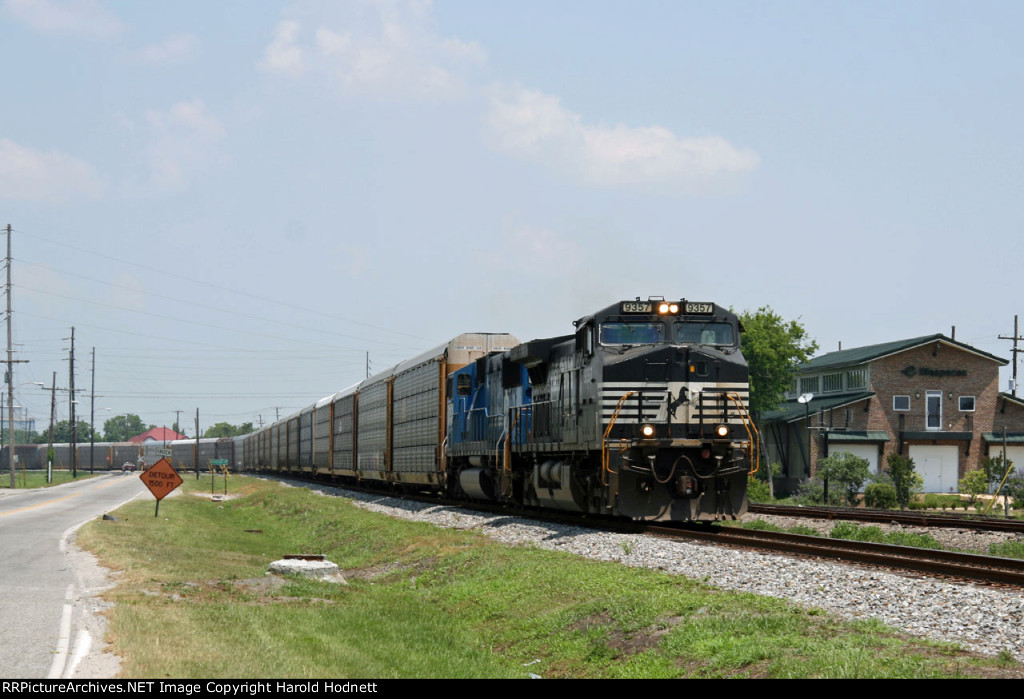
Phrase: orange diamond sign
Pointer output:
(161, 479)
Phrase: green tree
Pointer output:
(904, 479)
(121, 428)
(773, 349)
(224, 429)
(62, 432)
(846, 470)
(974, 483)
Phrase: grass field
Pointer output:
(193, 601)
(37, 479)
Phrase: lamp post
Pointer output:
(805, 399)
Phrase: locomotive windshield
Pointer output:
(704, 333)
(632, 333)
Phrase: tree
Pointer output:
(123, 427)
(224, 429)
(906, 482)
(846, 469)
(62, 433)
(773, 349)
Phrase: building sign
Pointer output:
(912, 371)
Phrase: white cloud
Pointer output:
(283, 55)
(27, 174)
(179, 48)
(75, 17)
(184, 141)
(383, 49)
(531, 125)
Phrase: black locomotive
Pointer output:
(641, 412)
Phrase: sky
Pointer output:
(237, 205)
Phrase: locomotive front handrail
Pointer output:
(605, 470)
(748, 424)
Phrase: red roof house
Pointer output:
(157, 434)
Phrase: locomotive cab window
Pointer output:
(632, 333)
(696, 333)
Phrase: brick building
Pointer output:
(930, 398)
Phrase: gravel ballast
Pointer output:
(983, 619)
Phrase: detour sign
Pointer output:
(161, 479)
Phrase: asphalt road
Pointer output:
(46, 609)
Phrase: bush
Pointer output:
(906, 482)
(847, 471)
(881, 496)
(812, 492)
(974, 484)
(758, 491)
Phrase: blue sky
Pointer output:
(234, 202)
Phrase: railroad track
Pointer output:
(965, 566)
(892, 517)
(968, 566)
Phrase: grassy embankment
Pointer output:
(192, 601)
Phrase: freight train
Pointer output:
(641, 412)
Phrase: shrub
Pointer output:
(812, 492)
(974, 484)
(906, 482)
(881, 496)
(847, 471)
(758, 491)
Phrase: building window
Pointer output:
(809, 384)
(858, 378)
(967, 404)
(901, 403)
(831, 383)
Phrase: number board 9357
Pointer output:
(699, 307)
(637, 307)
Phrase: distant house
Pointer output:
(157, 434)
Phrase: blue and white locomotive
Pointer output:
(641, 413)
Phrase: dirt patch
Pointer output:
(621, 642)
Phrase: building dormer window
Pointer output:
(857, 378)
(832, 383)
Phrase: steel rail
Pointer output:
(971, 566)
(891, 516)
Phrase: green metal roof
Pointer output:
(997, 437)
(791, 411)
(861, 355)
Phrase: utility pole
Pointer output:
(1016, 338)
(10, 363)
(195, 458)
(74, 423)
(53, 409)
(92, 414)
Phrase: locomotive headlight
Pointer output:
(663, 308)
(673, 308)
(722, 430)
(647, 431)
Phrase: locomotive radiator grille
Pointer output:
(689, 402)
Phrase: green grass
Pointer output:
(420, 601)
(37, 479)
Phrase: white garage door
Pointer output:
(864, 451)
(938, 466)
(1014, 453)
